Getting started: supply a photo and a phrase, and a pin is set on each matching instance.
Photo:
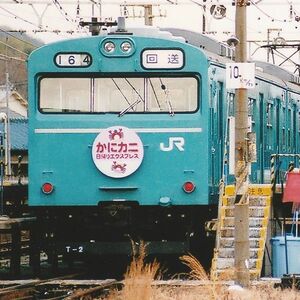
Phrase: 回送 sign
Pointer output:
(163, 59)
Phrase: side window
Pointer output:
(289, 127)
(220, 110)
(230, 99)
(283, 128)
(269, 125)
(252, 112)
(294, 128)
(269, 114)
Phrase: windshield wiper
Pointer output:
(128, 102)
(155, 95)
(124, 111)
(131, 105)
(168, 100)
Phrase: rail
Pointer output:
(60, 288)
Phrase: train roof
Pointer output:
(221, 51)
(216, 50)
(147, 31)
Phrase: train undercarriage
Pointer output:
(116, 228)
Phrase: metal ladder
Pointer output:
(259, 212)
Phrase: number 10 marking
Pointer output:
(234, 72)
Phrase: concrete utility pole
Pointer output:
(241, 165)
(148, 12)
(7, 134)
(148, 15)
(204, 19)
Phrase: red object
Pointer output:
(188, 187)
(292, 188)
(47, 188)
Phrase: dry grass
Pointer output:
(198, 273)
(140, 275)
(223, 293)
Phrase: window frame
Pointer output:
(94, 76)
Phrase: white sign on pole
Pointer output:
(240, 75)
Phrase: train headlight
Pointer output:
(188, 187)
(47, 188)
(126, 47)
(109, 47)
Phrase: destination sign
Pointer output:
(73, 60)
(163, 59)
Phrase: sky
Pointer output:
(59, 18)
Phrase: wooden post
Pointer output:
(148, 15)
(35, 255)
(15, 259)
(241, 165)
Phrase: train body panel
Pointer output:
(61, 144)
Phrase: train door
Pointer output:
(294, 128)
(282, 147)
(220, 126)
(217, 132)
(277, 124)
(290, 125)
(269, 148)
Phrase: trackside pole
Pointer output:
(241, 250)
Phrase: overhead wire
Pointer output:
(6, 57)
(62, 11)
(13, 48)
(42, 29)
(292, 9)
(18, 17)
(267, 15)
(17, 38)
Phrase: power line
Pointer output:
(62, 11)
(41, 29)
(267, 15)
(56, 31)
(19, 39)
(13, 48)
(26, 21)
(117, 2)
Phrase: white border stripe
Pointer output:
(97, 130)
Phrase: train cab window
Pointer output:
(119, 95)
(65, 95)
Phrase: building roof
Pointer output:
(18, 133)
(17, 104)
(12, 93)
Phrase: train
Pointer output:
(130, 135)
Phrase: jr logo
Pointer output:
(178, 142)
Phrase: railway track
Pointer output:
(59, 288)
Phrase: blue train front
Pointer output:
(118, 143)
